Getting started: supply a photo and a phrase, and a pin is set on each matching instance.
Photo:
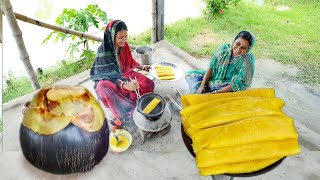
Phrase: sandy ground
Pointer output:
(166, 157)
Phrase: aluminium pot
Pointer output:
(144, 54)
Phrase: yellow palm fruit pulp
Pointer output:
(165, 72)
(194, 99)
(153, 104)
(237, 168)
(231, 112)
(247, 152)
(167, 77)
(247, 131)
(238, 132)
(162, 67)
(121, 143)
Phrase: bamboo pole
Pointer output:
(60, 29)
(160, 20)
(154, 36)
(17, 34)
(56, 28)
(157, 20)
(1, 24)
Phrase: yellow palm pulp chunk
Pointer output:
(234, 111)
(166, 77)
(153, 104)
(238, 106)
(247, 131)
(229, 118)
(162, 67)
(247, 152)
(164, 74)
(238, 168)
(122, 143)
(164, 71)
(167, 68)
(194, 99)
(190, 110)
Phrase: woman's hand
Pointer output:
(145, 68)
(131, 86)
(206, 78)
(201, 90)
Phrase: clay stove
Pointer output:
(148, 128)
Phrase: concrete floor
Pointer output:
(166, 157)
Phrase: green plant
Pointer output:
(79, 20)
(19, 86)
(214, 7)
(13, 88)
(88, 54)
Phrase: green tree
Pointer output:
(79, 20)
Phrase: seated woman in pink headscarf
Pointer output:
(113, 70)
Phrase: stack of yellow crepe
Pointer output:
(238, 132)
(164, 72)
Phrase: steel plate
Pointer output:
(178, 73)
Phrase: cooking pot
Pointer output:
(144, 53)
(157, 111)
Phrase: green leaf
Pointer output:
(78, 20)
(47, 38)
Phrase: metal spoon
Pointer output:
(116, 136)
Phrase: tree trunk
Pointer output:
(17, 34)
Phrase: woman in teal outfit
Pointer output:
(230, 70)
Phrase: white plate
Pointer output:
(178, 73)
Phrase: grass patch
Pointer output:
(143, 38)
(20, 86)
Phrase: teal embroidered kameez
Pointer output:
(236, 71)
